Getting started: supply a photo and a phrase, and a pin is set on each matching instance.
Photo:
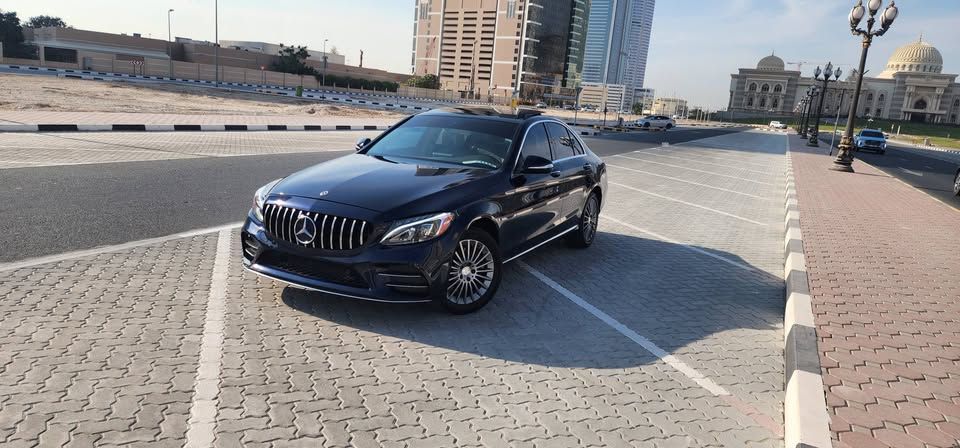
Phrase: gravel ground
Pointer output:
(35, 93)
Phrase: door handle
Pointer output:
(587, 167)
(555, 173)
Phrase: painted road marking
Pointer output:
(206, 390)
(694, 169)
(681, 244)
(649, 346)
(688, 203)
(114, 248)
(686, 181)
(688, 159)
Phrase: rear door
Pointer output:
(532, 206)
(568, 158)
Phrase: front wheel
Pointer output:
(586, 231)
(956, 184)
(669, 125)
(474, 273)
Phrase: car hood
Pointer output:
(374, 183)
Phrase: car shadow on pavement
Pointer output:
(674, 296)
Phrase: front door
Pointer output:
(531, 208)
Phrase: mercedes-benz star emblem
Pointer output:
(305, 229)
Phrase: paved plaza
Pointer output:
(667, 332)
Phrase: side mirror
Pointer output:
(536, 165)
(362, 143)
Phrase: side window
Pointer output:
(577, 147)
(535, 144)
(560, 141)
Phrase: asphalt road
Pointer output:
(54, 209)
(932, 176)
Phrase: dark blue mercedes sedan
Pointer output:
(429, 210)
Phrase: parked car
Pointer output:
(870, 139)
(656, 121)
(541, 105)
(777, 125)
(956, 183)
(429, 210)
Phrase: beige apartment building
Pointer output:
(475, 46)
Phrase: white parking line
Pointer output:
(647, 345)
(694, 169)
(681, 244)
(206, 391)
(114, 248)
(755, 162)
(686, 181)
(689, 160)
(688, 203)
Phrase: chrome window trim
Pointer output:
(543, 120)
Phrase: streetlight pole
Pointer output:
(844, 160)
(216, 43)
(836, 122)
(323, 75)
(170, 43)
(812, 94)
(815, 135)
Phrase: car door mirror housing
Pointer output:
(362, 143)
(536, 165)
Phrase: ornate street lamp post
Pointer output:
(827, 72)
(801, 110)
(844, 160)
(812, 93)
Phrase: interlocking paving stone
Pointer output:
(117, 336)
(882, 259)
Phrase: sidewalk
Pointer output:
(32, 121)
(883, 261)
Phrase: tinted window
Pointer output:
(473, 142)
(577, 147)
(535, 144)
(559, 141)
(873, 134)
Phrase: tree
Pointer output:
(43, 21)
(293, 60)
(334, 50)
(637, 108)
(11, 34)
(425, 82)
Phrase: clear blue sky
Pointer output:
(695, 46)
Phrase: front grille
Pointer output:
(332, 232)
(316, 269)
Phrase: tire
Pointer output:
(956, 184)
(470, 283)
(586, 231)
(646, 125)
(669, 126)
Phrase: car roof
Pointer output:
(489, 112)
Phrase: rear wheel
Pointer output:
(474, 273)
(586, 231)
(956, 184)
(669, 125)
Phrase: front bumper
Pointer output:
(400, 274)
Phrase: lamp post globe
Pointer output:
(844, 160)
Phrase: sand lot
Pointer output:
(46, 93)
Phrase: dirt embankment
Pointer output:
(33, 93)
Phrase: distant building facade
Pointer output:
(274, 49)
(498, 47)
(610, 96)
(617, 43)
(911, 87)
(669, 106)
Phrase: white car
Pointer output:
(656, 121)
(777, 125)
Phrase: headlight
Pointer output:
(260, 196)
(415, 230)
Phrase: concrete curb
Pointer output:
(126, 127)
(806, 423)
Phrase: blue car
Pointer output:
(870, 139)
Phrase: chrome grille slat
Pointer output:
(280, 222)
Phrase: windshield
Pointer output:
(474, 142)
(873, 134)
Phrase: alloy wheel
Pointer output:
(588, 224)
(471, 272)
(956, 185)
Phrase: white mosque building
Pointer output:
(911, 87)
